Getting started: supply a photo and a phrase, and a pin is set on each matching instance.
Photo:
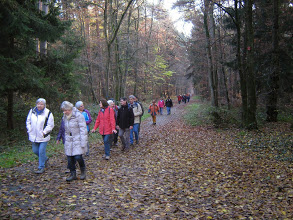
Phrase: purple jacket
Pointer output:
(90, 118)
(61, 133)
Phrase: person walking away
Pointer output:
(169, 104)
(179, 97)
(106, 124)
(112, 105)
(76, 138)
(161, 105)
(125, 121)
(137, 112)
(142, 109)
(39, 124)
(188, 97)
(184, 98)
(87, 116)
(154, 111)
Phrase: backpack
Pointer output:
(141, 108)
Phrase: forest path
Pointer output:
(176, 172)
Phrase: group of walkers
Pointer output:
(112, 122)
(156, 109)
(184, 98)
(74, 129)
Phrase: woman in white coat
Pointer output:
(76, 137)
(39, 124)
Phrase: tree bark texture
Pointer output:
(272, 97)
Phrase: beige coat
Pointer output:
(76, 135)
(137, 112)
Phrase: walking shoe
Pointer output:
(82, 174)
(104, 156)
(107, 157)
(123, 148)
(72, 176)
(40, 170)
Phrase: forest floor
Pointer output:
(176, 172)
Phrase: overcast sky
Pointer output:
(176, 17)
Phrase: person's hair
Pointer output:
(110, 102)
(41, 100)
(154, 101)
(66, 105)
(104, 103)
(123, 99)
(78, 104)
(131, 97)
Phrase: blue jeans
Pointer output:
(135, 130)
(161, 110)
(107, 143)
(168, 110)
(40, 150)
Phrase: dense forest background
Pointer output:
(238, 55)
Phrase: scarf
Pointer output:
(68, 116)
(39, 111)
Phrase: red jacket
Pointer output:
(105, 121)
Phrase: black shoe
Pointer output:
(82, 175)
(72, 176)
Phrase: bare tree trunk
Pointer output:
(127, 54)
(136, 56)
(111, 31)
(251, 93)
(222, 54)
(272, 98)
(209, 55)
(147, 45)
(239, 64)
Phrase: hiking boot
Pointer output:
(40, 170)
(137, 142)
(104, 156)
(123, 148)
(72, 176)
(107, 157)
(82, 174)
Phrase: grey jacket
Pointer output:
(76, 134)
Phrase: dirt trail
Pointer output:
(176, 172)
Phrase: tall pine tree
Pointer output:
(23, 69)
